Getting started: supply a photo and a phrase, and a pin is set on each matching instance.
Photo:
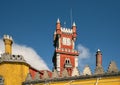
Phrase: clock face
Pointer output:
(66, 41)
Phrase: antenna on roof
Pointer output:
(64, 24)
(71, 16)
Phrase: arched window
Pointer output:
(67, 63)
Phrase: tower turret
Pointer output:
(65, 56)
(99, 69)
(58, 27)
(8, 44)
(98, 58)
(74, 31)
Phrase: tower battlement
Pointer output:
(64, 43)
(7, 37)
(60, 29)
(66, 30)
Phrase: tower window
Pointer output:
(66, 41)
(67, 63)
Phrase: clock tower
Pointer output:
(65, 56)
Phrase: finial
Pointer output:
(58, 21)
(74, 24)
(98, 50)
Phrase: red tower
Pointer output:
(98, 58)
(65, 55)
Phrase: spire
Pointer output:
(58, 21)
(58, 27)
(87, 70)
(65, 73)
(74, 31)
(74, 24)
(75, 72)
(112, 67)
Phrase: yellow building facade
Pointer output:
(13, 73)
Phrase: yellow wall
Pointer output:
(13, 73)
(93, 81)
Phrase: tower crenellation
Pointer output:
(66, 30)
(8, 37)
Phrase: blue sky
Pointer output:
(32, 23)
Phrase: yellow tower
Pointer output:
(8, 44)
(13, 68)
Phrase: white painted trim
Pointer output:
(59, 43)
(58, 61)
(73, 44)
(76, 61)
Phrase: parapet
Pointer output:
(11, 58)
(66, 30)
